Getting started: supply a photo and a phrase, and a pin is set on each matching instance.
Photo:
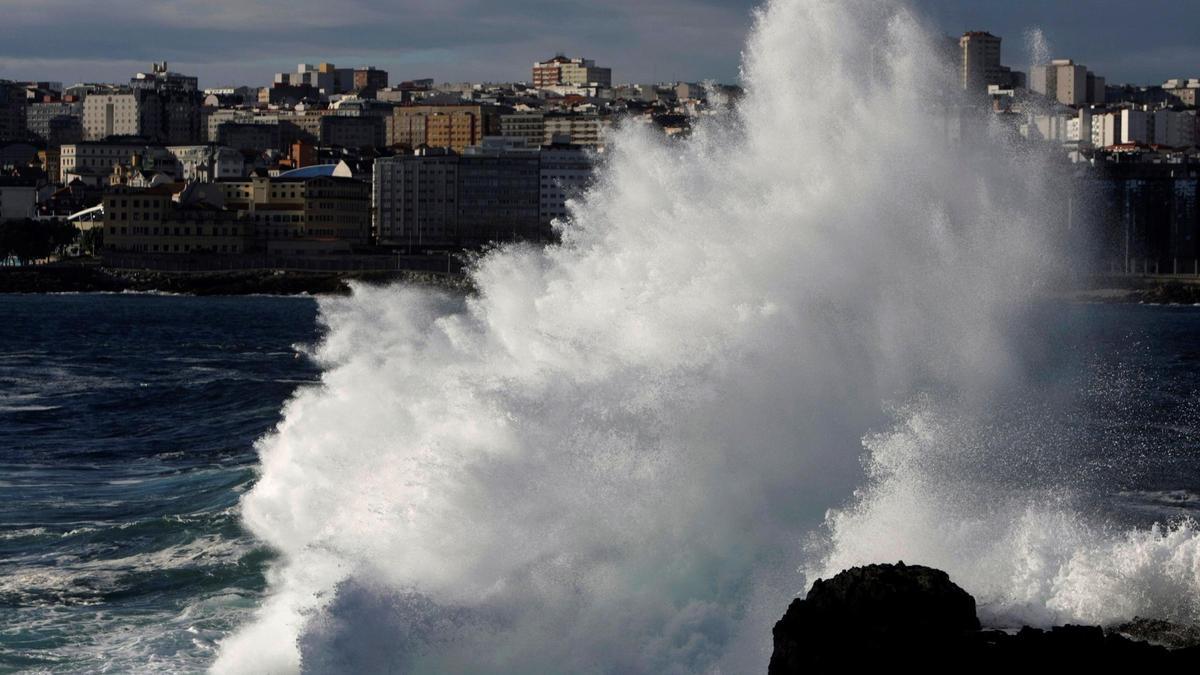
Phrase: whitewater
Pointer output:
(759, 355)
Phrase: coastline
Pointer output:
(1133, 290)
(92, 277)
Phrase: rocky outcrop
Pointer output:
(909, 616)
(91, 278)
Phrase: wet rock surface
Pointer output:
(910, 616)
(76, 278)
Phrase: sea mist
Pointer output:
(621, 453)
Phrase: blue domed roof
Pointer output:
(317, 171)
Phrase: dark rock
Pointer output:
(909, 616)
(92, 278)
(1159, 632)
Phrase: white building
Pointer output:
(1106, 129)
(565, 172)
(1079, 128)
(96, 157)
(1136, 126)
(207, 163)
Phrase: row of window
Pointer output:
(180, 231)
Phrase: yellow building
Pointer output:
(150, 221)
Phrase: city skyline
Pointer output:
(233, 43)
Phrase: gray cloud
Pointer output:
(235, 40)
(245, 41)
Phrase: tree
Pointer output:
(28, 240)
(91, 241)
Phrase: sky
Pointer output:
(235, 42)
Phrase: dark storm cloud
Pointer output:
(244, 41)
(447, 39)
(1146, 41)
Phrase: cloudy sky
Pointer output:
(245, 41)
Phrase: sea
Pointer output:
(127, 438)
(127, 429)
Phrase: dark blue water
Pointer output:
(127, 429)
(127, 425)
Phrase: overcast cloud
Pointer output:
(245, 41)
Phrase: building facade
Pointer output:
(207, 163)
(561, 70)
(97, 156)
(18, 198)
(311, 208)
(564, 173)
(1182, 91)
(442, 126)
(1067, 82)
(12, 112)
(125, 113)
(574, 129)
(55, 122)
(370, 79)
(149, 221)
(440, 199)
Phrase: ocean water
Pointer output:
(127, 425)
(126, 438)
(812, 334)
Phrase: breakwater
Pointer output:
(95, 278)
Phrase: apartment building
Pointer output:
(442, 126)
(325, 78)
(18, 198)
(1068, 83)
(12, 112)
(315, 208)
(55, 122)
(207, 163)
(438, 198)
(97, 156)
(529, 126)
(150, 221)
(979, 63)
(370, 79)
(1182, 91)
(574, 129)
(561, 70)
(121, 113)
(564, 173)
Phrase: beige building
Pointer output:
(979, 63)
(441, 126)
(573, 129)
(1067, 82)
(530, 126)
(119, 114)
(562, 70)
